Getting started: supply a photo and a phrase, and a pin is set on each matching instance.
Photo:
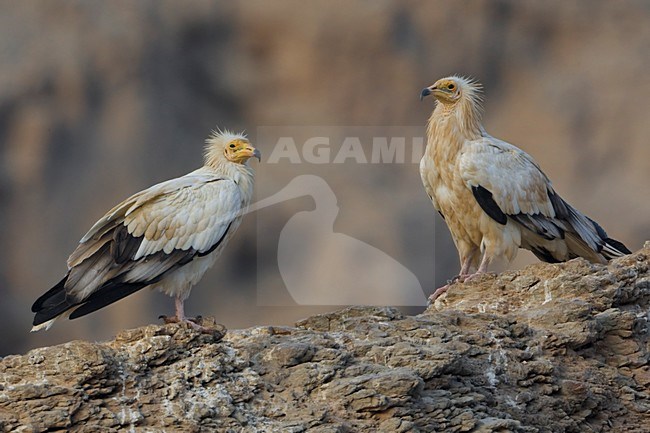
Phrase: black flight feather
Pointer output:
(618, 245)
(54, 302)
(544, 255)
(46, 298)
(122, 249)
(489, 206)
(124, 245)
(107, 294)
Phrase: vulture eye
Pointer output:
(451, 86)
(232, 146)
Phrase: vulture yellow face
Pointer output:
(445, 90)
(240, 151)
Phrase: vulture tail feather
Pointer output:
(614, 248)
(52, 304)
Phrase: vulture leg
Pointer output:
(180, 317)
(485, 262)
(482, 268)
(464, 274)
(180, 310)
(466, 265)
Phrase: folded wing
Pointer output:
(142, 239)
(508, 184)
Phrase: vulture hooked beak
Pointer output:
(425, 92)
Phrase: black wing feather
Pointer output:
(54, 302)
(566, 219)
(538, 223)
(47, 299)
(544, 255)
(618, 245)
(122, 249)
(124, 245)
(489, 206)
(107, 294)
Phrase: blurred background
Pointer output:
(99, 100)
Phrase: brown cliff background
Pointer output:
(99, 100)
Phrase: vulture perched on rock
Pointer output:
(493, 196)
(164, 237)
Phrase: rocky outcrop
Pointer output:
(550, 348)
(97, 103)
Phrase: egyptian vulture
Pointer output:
(493, 196)
(164, 237)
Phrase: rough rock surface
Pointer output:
(550, 348)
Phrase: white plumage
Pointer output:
(164, 237)
(493, 196)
